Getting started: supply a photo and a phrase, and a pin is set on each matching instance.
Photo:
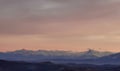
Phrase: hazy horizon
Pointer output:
(57, 50)
(70, 25)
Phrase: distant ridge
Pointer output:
(45, 55)
(89, 52)
(87, 57)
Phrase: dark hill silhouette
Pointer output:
(48, 66)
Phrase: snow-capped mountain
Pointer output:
(93, 54)
(44, 55)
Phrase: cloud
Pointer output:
(55, 8)
(103, 38)
(51, 16)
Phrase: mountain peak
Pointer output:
(23, 50)
(91, 53)
(92, 50)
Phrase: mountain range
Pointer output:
(86, 57)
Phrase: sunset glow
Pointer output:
(70, 25)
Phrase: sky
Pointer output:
(70, 25)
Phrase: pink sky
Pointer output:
(71, 25)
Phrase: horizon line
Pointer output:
(58, 50)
